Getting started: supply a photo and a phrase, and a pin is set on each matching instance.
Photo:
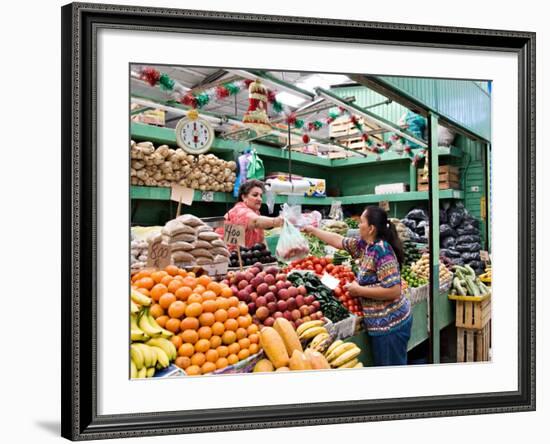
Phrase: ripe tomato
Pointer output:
(329, 268)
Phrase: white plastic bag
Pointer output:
(291, 245)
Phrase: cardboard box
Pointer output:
(317, 187)
(390, 188)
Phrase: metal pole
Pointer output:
(289, 156)
(354, 109)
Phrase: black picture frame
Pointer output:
(80, 420)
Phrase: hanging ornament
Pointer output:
(256, 115)
(291, 119)
(299, 124)
(150, 75)
(305, 138)
(277, 107)
(222, 92)
(231, 88)
(189, 100)
(166, 83)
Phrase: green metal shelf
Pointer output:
(155, 134)
(163, 193)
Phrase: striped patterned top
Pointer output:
(378, 266)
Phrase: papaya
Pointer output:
(288, 334)
(274, 347)
(299, 361)
(263, 365)
(317, 360)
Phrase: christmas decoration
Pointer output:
(256, 115)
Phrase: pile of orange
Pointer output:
(212, 328)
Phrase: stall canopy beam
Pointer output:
(355, 109)
(274, 83)
(380, 86)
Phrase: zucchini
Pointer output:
(459, 269)
(482, 287)
(470, 271)
(459, 289)
(472, 288)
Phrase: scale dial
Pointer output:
(194, 136)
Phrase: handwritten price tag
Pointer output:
(158, 255)
(207, 196)
(233, 234)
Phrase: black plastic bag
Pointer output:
(468, 257)
(409, 223)
(468, 239)
(446, 231)
(468, 248)
(471, 220)
(448, 252)
(442, 216)
(476, 264)
(414, 237)
(466, 229)
(456, 261)
(418, 214)
(422, 228)
(448, 242)
(455, 216)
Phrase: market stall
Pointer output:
(332, 156)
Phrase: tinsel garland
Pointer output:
(154, 77)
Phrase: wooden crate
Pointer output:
(343, 126)
(473, 345)
(449, 178)
(443, 185)
(472, 312)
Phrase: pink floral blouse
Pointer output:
(240, 214)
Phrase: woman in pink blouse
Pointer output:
(247, 212)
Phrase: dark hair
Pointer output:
(247, 186)
(385, 230)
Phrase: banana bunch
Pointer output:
(143, 327)
(156, 353)
(310, 329)
(314, 330)
(488, 275)
(343, 355)
(140, 299)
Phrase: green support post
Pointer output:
(412, 177)
(488, 189)
(434, 240)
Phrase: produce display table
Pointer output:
(419, 331)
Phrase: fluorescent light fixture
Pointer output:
(289, 99)
(325, 81)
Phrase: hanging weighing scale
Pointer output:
(194, 134)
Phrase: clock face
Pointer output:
(194, 136)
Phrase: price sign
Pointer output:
(385, 205)
(233, 234)
(158, 255)
(207, 196)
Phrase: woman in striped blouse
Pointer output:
(386, 309)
